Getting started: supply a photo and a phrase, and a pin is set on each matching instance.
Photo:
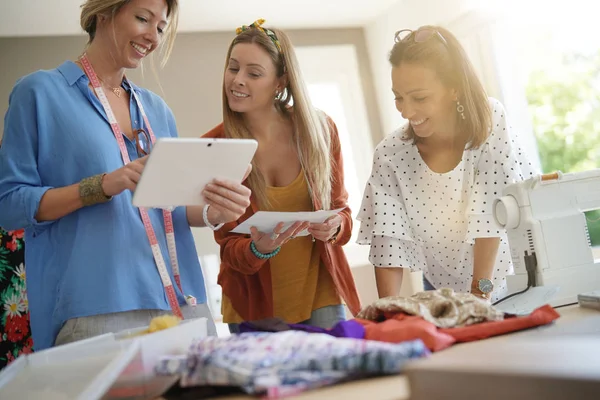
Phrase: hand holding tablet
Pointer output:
(178, 170)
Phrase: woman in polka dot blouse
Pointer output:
(428, 203)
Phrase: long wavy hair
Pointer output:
(311, 131)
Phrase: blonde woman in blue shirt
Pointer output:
(75, 144)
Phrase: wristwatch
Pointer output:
(485, 286)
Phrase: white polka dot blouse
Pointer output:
(415, 218)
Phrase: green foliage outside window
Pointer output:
(564, 101)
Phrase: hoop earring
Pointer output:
(460, 109)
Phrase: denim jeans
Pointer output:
(324, 317)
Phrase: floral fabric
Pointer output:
(442, 307)
(15, 334)
(276, 365)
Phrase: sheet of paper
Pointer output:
(525, 303)
(265, 221)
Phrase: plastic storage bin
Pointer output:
(139, 379)
(109, 367)
(79, 371)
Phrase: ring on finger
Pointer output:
(274, 235)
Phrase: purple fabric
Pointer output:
(343, 329)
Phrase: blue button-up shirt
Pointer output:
(98, 259)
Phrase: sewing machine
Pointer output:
(548, 233)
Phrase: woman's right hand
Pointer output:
(267, 242)
(126, 177)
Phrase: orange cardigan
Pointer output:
(246, 279)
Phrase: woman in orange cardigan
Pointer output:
(298, 167)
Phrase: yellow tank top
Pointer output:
(301, 283)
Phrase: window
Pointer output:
(545, 68)
(560, 54)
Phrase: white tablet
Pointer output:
(178, 169)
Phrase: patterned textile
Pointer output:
(443, 307)
(283, 363)
(402, 327)
(15, 334)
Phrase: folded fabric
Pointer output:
(279, 364)
(347, 329)
(443, 307)
(402, 327)
(540, 316)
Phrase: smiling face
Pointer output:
(250, 80)
(423, 99)
(135, 31)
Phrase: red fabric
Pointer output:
(541, 316)
(402, 327)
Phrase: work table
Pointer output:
(573, 321)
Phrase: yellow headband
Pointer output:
(257, 25)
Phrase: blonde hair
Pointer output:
(311, 130)
(92, 8)
(450, 61)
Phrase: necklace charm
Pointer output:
(117, 91)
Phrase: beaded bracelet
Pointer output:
(262, 256)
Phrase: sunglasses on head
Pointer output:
(419, 36)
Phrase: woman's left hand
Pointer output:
(326, 230)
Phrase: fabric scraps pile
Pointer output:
(285, 363)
